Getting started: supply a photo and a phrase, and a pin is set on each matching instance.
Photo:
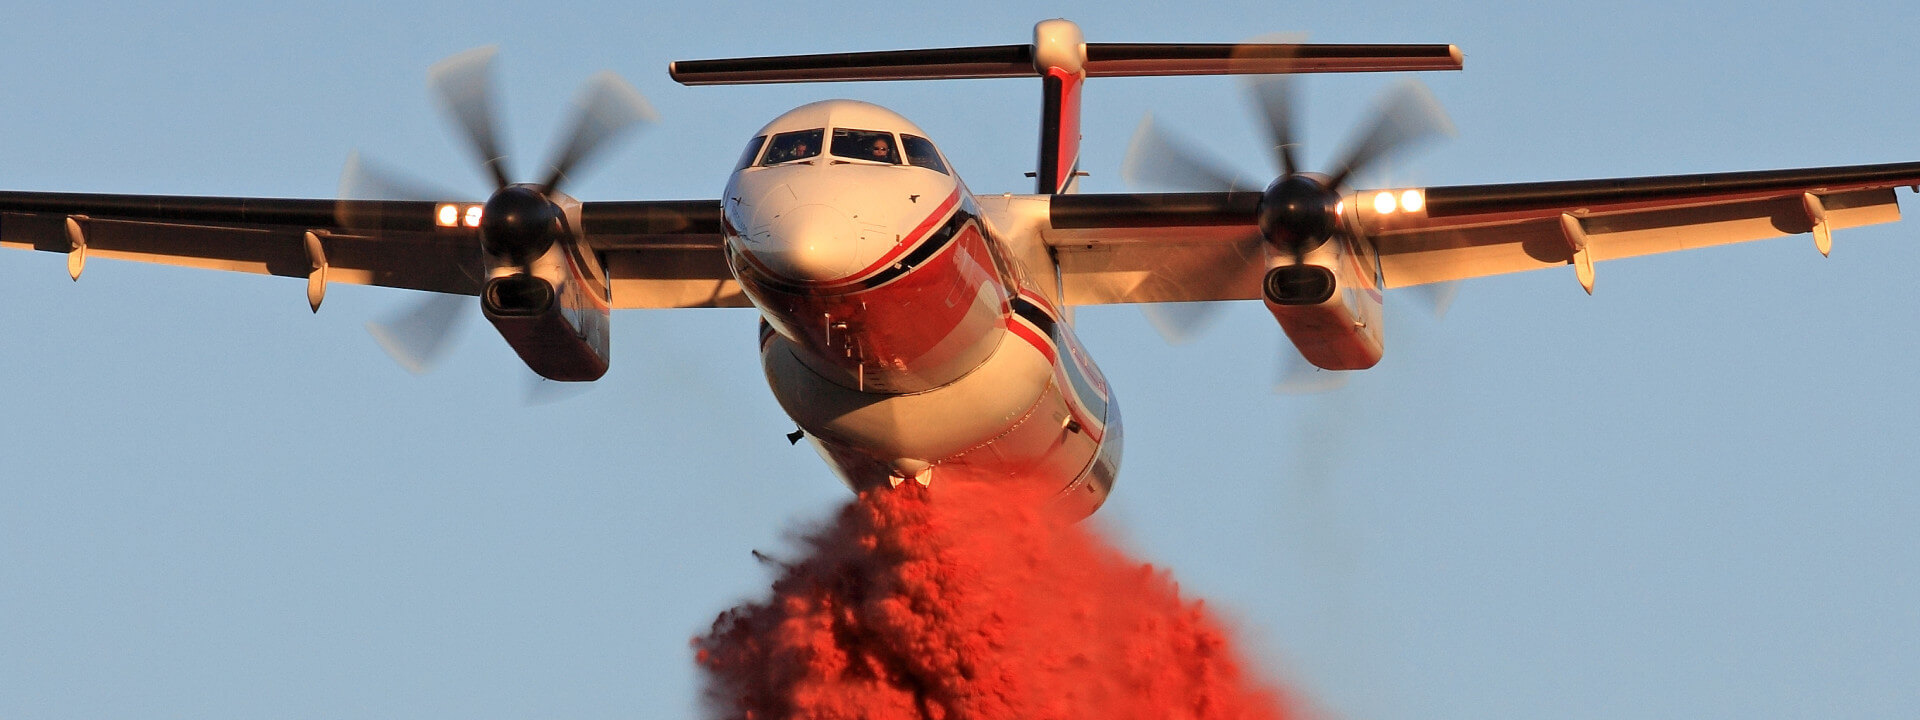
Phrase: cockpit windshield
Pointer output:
(920, 153)
(753, 151)
(875, 146)
(871, 145)
(791, 146)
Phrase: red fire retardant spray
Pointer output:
(941, 606)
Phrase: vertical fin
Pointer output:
(1060, 56)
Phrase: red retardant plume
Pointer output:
(909, 606)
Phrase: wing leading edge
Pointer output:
(1204, 246)
(658, 253)
(1111, 248)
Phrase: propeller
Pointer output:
(1180, 323)
(519, 220)
(1296, 376)
(417, 336)
(463, 84)
(1298, 210)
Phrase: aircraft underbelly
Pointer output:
(1016, 425)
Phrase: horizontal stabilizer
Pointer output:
(1125, 59)
(1102, 60)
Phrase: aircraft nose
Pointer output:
(809, 243)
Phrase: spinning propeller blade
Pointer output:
(1405, 117)
(417, 337)
(1273, 99)
(608, 108)
(1157, 159)
(1180, 322)
(1298, 210)
(464, 85)
(518, 221)
(1293, 375)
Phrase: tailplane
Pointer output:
(1063, 60)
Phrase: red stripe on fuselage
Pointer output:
(921, 329)
(906, 244)
(1033, 337)
(913, 238)
(1095, 427)
(1041, 300)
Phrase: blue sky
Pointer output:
(1689, 495)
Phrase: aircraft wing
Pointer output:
(657, 253)
(663, 254)
(1204, 246)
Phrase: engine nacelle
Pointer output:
(556, 311)
(1330, 304)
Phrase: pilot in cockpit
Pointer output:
(868, 145)
(790, 146)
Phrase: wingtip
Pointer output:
(674, 74)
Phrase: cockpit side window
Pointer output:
(791, 146)
(920, 153)
(874, 145)
(753, 151)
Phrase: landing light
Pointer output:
(453, 215)
(1383, 203)
(1412, 201)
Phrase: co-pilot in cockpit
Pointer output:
(787, 147)
(869, 145)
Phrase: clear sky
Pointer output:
(1690, 495)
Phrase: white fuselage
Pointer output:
(900, 331)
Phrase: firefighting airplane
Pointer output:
(916, 331)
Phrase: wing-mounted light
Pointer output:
(544, 289)
(457, 215)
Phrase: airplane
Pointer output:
(914, 330)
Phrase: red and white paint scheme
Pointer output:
(900, 331)
(917, 332)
